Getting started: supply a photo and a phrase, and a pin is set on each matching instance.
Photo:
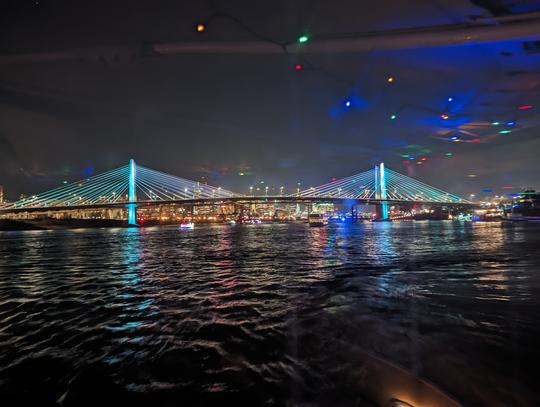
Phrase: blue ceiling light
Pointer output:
(348, 103)
(450, 99)
(511, 123)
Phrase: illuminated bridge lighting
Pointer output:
(137, 182)
(132, 185)
(368, 185)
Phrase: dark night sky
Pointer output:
(218, 115)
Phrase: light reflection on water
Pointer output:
(268, 314)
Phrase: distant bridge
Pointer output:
(133, 186)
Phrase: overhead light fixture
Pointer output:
(399, 403)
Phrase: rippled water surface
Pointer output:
(268, 314)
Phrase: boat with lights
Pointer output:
(317, 219)
(187, 225)
(524, 207)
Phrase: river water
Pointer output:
(268, 314)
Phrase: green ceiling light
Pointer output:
(449, 154)
(302, 39)
(495, 123)
(505, 131)
(393, 117)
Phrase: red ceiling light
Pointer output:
(298, 67)
(525, 107)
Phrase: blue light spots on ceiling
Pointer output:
(352, 103)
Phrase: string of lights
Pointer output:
(301, 64)
(448, 115)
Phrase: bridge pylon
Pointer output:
(380, 192)
(132, 193)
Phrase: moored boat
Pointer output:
(526, 207)
(317, 219)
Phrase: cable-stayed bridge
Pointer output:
(132, 186)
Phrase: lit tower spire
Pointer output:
(382, 189)
(132, 193)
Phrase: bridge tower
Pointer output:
(380, 192)
(132, 193)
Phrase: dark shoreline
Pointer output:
(52, 224)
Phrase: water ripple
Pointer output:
(267, 314)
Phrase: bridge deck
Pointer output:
(237, 199)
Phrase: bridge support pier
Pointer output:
(380, 213)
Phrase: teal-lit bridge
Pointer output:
(133, 186)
